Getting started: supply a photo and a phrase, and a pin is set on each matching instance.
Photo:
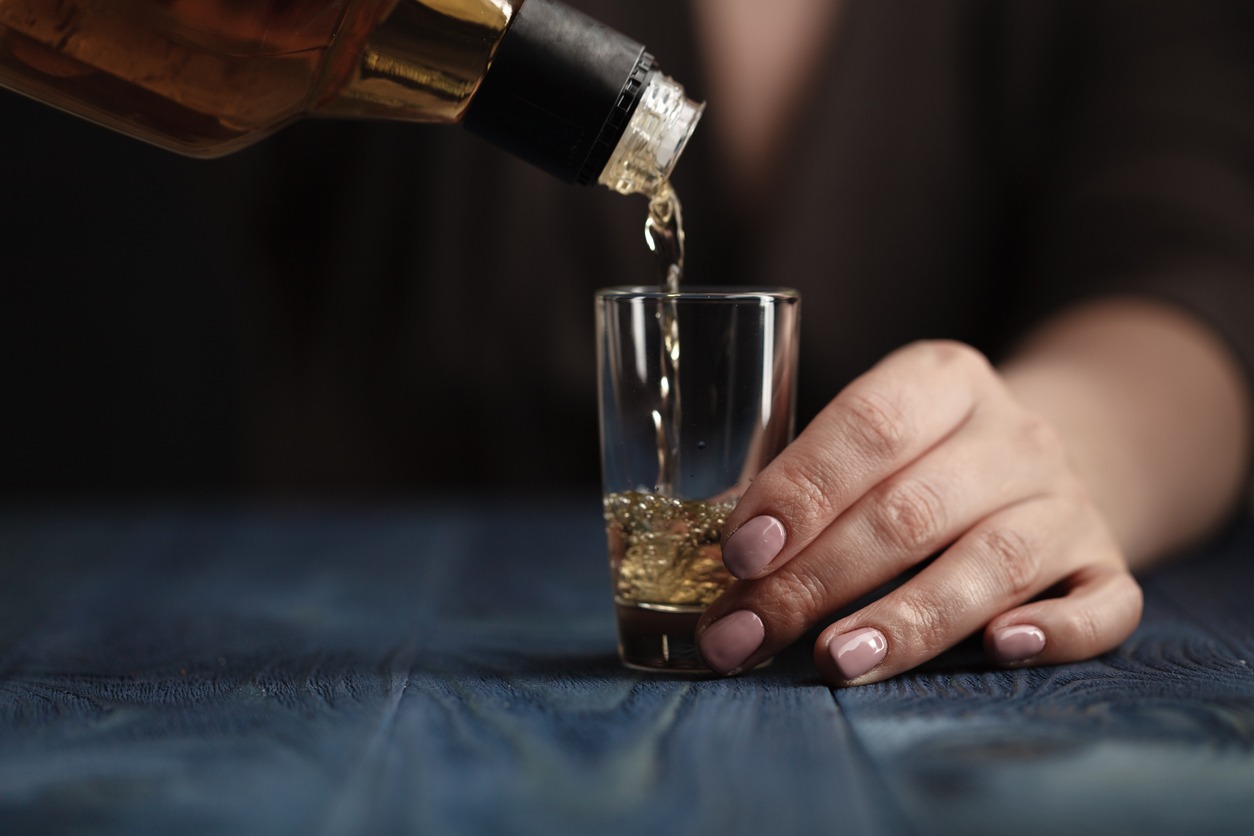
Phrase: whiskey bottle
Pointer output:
(206, 77)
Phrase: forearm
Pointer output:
(1155, 413)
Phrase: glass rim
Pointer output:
(699, 293)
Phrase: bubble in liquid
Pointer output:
(666, 550)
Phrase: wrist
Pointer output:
(1155, 414)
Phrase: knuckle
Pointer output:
(925, 619)
(1016, 563)
(1085, 630)
(1039, 438)
(910, 515)
(878, 425)
(804, 495)
(947, 352)
(794, 599)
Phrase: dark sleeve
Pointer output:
(1142, 180)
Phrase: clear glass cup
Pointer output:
(697, 395)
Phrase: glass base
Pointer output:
(661, 639)
(654, 639)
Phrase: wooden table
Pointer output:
(449, 667)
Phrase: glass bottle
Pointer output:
(206, 77)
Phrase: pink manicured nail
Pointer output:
(1018, 643)
(857, 652)
(728, 642)
(754, 545)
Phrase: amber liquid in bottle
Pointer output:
(205, 77)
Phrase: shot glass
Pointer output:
(697, 395)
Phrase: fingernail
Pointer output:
(857, 652)
(1018, 643)
(728, 642)
(754, 545)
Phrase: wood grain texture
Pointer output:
(434, 671)
(449, 668)
(1156, 737)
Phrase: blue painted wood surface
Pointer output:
(449, 668)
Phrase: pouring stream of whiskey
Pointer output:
(664, 233)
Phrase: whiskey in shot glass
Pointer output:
(696, 397)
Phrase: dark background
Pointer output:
(367, 308)
(124, 312)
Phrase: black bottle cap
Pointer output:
(560, 91)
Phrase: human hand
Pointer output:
(928, 453)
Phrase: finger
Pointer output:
(1002, 562)
(979, 471)
(883, 420)
(992, 461)
(1100, 609)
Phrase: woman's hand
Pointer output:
(929, 454)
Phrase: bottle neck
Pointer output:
(652, 140)
(578, 100)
